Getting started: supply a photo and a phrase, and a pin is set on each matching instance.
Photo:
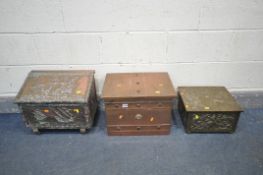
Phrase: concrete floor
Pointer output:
(68, 152)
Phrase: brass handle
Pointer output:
(120, 117)
(138, 116)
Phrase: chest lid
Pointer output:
(137, 85)
(208, 98)
(56, 87)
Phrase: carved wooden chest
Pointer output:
(208, 109)
(58, 100)
(138, 103)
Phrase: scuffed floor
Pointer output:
(94, 153)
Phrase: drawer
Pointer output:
(139, 130)
(138, 105)
(138, 117)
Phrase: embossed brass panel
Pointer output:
(208, 109)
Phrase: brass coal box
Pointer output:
(208, 109)
(58, 100)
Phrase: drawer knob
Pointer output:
(121, 116)
(158, 127)
(118, 128)
(138, 116)
(138, 128)
(151, 119)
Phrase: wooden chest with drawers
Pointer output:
(138, 103)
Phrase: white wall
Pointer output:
(199, 42)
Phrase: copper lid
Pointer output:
(56, 86)
(138, 85)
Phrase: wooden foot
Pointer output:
(36, 131)
(82, 130)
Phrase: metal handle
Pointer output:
(138, 116)
(120, 116)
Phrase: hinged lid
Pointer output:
(56, 86)
(137, 85)
(208, 99)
